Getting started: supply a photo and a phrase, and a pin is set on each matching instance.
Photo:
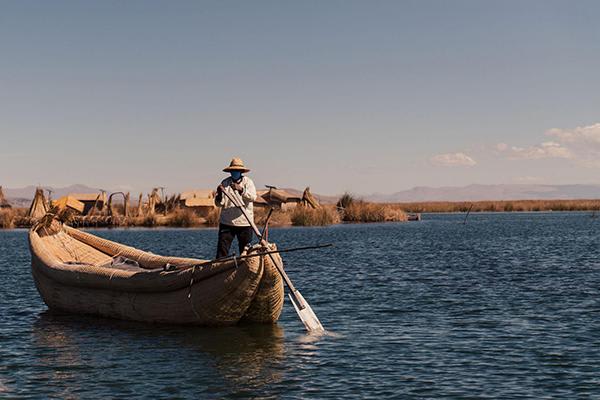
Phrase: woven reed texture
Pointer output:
(217, 295)
(74, 263)
(268, 300)
(145, 259)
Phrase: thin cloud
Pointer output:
(580, 145)
(581, 135)
(452, 160)
(544, 150)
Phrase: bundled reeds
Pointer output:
(362, 211)
(278, 218)
(149, 220)
(345, 201)
(212, 218)
(306, 216)
(7, 218)
(184, 218)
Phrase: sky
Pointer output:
(359, 96)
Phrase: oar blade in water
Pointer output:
(307, 315)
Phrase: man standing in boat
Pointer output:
(233, 224)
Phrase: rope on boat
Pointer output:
(193, 269)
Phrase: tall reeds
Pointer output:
(501, 206)
(184, 218)
(362, 211)
(7, 218)
(212, 218)
(306, 216)
(353, 210)
(278, 218)
(345, 201)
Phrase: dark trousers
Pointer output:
(226, 235)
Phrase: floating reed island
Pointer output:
(197, 208)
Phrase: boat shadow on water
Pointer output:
(245, 355)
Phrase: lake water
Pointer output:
(506, 306)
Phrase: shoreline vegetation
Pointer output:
(500, 206)
(347, 210)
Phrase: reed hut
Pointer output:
(39, 205)
(70, 203)
(92, 202)
(4, 204)
(201, 201)
(278, 199)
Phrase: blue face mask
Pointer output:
(235, 175)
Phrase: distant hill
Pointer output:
(21, 197)
(490, 192)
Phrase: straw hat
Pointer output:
(236, 164)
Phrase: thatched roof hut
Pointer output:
(68, 202)
(3, 202)
(198, 198)
(201, 201)
(92, 201)
(283, 199)
(276, 198)
(39, 205)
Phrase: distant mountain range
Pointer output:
(21, 197)
(490, 192)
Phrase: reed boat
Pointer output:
(77, 272)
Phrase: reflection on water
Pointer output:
(245, 357)
(56, 355)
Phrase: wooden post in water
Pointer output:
(467, 216)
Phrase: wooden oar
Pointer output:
(303, 309)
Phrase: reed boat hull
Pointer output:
(268, 300)
(75, 272)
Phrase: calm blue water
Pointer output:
(507, 306)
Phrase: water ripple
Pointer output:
(506, 306)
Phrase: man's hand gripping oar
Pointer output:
(303, 309)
